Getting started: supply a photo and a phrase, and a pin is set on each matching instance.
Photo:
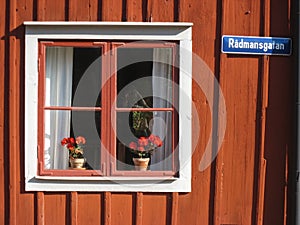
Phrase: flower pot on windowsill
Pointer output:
(141, 164)
(75, 149)
(77, 163)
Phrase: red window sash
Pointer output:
(108, 112)
(42, 108)
(115, 109)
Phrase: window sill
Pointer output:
(104, 178)
(111, 184)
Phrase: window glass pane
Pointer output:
(60, 124)
(73, 76)
(57, 127)
(88, 125)
(144, 77)
(159, 126)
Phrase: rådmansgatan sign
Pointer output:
(256, 45)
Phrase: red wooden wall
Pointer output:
(246, 184)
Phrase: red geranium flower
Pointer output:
(158, 142)
(71, 140)
(133, 145)
(74, 146)
(80, 139)
(64, 141)
(143, 141)
(141, 148)
(152, 138)
(145, 145)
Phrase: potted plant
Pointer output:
(142, 148)
(139, 120)
(75, 148)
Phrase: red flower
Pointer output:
(143, 141)
(155, 140)
(152, 138)
(133, 145)
(72, 140)
(80, 139)
(70, 146)
(158, 142)
(141, 148)
(64, 141)
(145, 145)
(73, 145)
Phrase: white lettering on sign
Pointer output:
(265, 46)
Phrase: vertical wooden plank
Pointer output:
(92, 202)
(261, 192)
(278, 132)
(174, 211)
(245, 18)
(56, 209)
(112, 10)
(74, 208)
(197, 206)
(235, 163)
(23, 11)
(154, 204)
(94, 10)
(25, 200)
(162, 11)
(13, 115)
(107, 208)
(135, 10)
(83, 10)
(122, 209)
(3, 96)
(285, 205)
(139, 209)
(235, 168)
(261, 176)
(52, 10)
(278, 119)
(280, 123)
(40, 208)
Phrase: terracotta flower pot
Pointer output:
(141, 164)
(77, 163)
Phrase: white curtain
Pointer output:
(59, 64)
(162, 121)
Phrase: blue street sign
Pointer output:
(256, 45)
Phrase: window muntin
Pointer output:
(72, 78)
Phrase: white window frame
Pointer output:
(139, 31)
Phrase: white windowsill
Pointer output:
(104, 178)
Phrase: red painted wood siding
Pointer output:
(246, 184)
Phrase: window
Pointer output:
(111, 83)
